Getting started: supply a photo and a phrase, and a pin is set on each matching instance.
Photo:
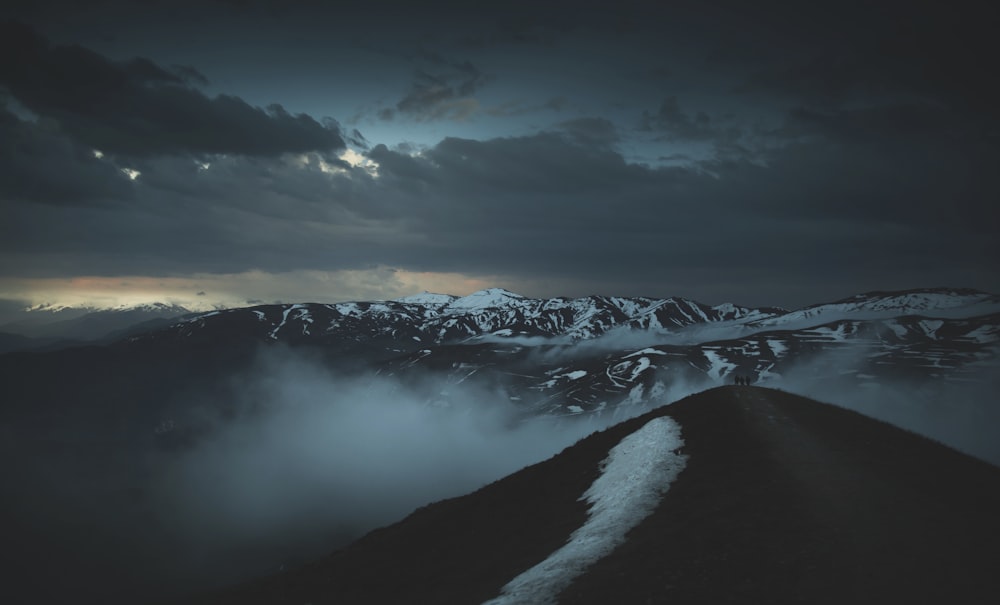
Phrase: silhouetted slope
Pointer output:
(783, 500)
(461, 550)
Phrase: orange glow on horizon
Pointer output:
(208, 291)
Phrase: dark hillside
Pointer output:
(784, 500)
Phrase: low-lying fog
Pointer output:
(286, 463)
(310, 458)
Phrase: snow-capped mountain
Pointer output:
(936, 302)
(444, 319)
(72, 323)
(579, 355)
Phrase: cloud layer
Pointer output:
(569, 148)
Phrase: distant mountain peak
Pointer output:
(89, 322)
(915, 300)
(485, 299)
(426, 298)
(153, 307)
(937, 291)
(58, 308)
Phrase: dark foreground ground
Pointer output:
(783, 500)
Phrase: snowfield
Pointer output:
(634, 477)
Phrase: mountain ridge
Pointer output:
(588, 355)
(487, 312)
(783, 500)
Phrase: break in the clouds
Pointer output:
(729, 152)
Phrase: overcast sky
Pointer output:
(225, 153)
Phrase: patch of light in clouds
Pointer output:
(359, 161)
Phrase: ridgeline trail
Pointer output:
(783, 500)
(786, 500)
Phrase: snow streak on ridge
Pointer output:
(634, 477)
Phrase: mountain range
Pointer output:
(47, 328)
(598, 354)
(211, 447)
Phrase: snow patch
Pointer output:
(828, 334)
(641, 366)
(900, 330)
(634, 477)
(719, 367)
(634, 396)
(646, 351)
(983, 334)
(777, 347)
(484, 299)
(930, 327)
(284, 317)
(426, 298)
(946, 305)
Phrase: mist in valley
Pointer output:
(290, 458)
(309, 457)
(280, 463)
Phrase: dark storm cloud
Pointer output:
(676, 124)
(358, 140)
(824, 151)
(568, 208)
(138, 108)
(843, 214)
(543, 164)
(727, 140)
(444, 94)
(591, 131)
(923, 50)
(189, 74)
(521, 108)
(39, 163)
(914, 121)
